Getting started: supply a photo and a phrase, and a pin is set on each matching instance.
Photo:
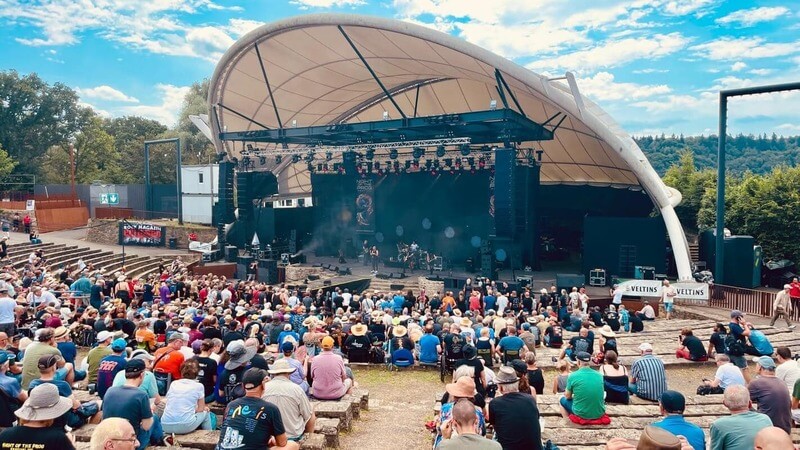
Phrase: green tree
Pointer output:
(96, 158)
(129, 134)
(35, 116)
(692, 184)
(197, 149)
(7, 163)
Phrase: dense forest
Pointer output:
(757, 154)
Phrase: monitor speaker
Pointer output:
(231, 253)
(268, 271)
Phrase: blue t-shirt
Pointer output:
(427, 348)
(397, 303)
(64, 389)
(109, 366)
(128, 403)
(10, 385)
(761, 343)
(489, 302)
(677, 425)
(511, 343)
(68, 350)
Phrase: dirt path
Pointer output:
(400, 404)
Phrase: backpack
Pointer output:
(377, 355)
(733, 346)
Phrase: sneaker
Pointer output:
(792, 327)
(170, 440)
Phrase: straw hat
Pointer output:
(606, 331)
(281, 366)
(44, 403)
(399, 331)
(358, 329)
(464, 387)
(60, 332)
(415, 334)
(309, 322)
(465, 322)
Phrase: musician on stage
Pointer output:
(365, 250)
(375, 256)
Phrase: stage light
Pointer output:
(393, 153)
(294, 123)
(278, 159)
(418, 152)
(385, 115)
(310, 156)
(328, 156)
(493, 105)
(428, 164)
(370, 154)
(440, 150)
(465, 149)
(262, 160)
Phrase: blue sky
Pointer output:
(655, 65)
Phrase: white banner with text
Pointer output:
(652, 288)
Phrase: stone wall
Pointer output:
(106, 231)
(431, 287)
(295, 273)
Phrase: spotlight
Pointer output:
(493, 105)
(310, 156)
(328, 156)
(465, 149)
(418, 152)
(262, 160)
(440, 151)
(393, 153)
(295, 158)
(385, 115)
(428, 164)
(370, 154)
(278, 159)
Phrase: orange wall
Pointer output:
(61, 218)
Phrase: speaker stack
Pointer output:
(268, 271)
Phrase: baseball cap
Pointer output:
(134, 367)
(736, 313)
(645, 347)
(197, 345)
(5, 357)
(103, 336)
(176, 336)
(673, 401)
(287, 347)
(327, 343)
(765, 362)
(142, 354)
(583, 356)
(253, 377)
(118, 345)
(47, 361)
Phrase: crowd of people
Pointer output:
(166, 347)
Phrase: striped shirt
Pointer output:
(651, 379)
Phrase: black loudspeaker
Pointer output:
(263, 184)
(225, 206)
(222, 238)
(312, 277)
(293, 241)
(231, 253)
(469, 265)
(504, 223)
(396, 287)
(244, 195)
(242, 263)
(268, 271)
(383, 276)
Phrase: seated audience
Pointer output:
(727, 375)
(716, 343)
(110, 366)
(691, 347)
(130, 403)
(647, 312)
(185, 409)
(648, 376)
(35, 429)
(358, 344)
(560, 381)
(583, 396)
(113, 434)
(80, 413)
(329, 379)
(10, 391)
(514, 415)
(297, 414)
(672, 404)
(773, 438)
(615, 379)
(534, 374)
(770, 394)
(464, 423)
(738, 430)
(463, 388)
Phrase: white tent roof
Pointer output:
(316, 78)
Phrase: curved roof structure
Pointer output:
(307, 71)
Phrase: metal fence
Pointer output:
(749, 301)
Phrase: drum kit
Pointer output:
(412, 257)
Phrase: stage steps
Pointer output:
(385, 285)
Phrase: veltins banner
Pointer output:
(652, 288)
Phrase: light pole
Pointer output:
(723, 123)
(147, 194)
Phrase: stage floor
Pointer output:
(540, 279)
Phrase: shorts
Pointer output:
(739, 361)
(61, 374)
(668, 306)
(566, 404)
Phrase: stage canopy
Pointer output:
(330, 69)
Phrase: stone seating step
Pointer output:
(342, 410)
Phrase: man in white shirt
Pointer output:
(346, 297)
(502, 304)
(787, 371)
(617, 293)
(727, 374)
(7, 305)
(668, 294)
(39, 297)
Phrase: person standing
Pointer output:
(251, 423)
(781, 306)
(514, 414)
(7, 317)
(771, 395)
(668, 294)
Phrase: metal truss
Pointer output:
(304, 150)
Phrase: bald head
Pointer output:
(773, 438)
(464, 413)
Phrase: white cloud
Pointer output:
(514, 41)
(327, 3)
(240, 27)
(761, 72)
(602, 87)
(98, 111)
(167, 112)
(684, 7)
(728, 48)
(648, 71)
(738, 66)
(752, 16)
(616, 53)
(789, 128)
(106, 93)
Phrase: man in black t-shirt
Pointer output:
(637, 326)
(40, 410)
(691, 347)
(554, 334)
(577, 344)
(514, 414)
(250, 423)
(454, 343)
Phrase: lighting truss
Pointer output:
(304, 150)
